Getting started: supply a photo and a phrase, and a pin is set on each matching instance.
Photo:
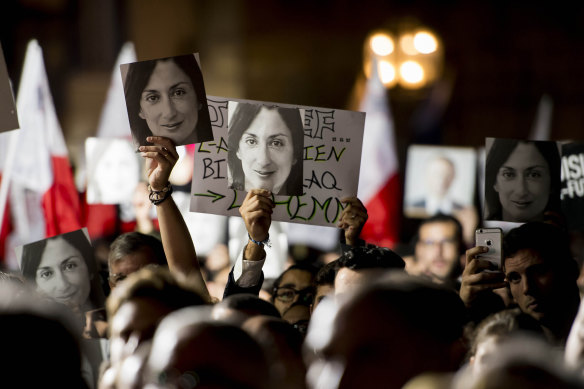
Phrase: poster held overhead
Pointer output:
(113, 170)
(439, 180)
(572, 195)
(166, 97)
(265, 148)
(522, 180)
(331, 159)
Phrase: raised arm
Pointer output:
(176, 239)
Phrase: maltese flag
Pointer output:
(102, 219)
(379, 187)
(114, 122)
(43, 199)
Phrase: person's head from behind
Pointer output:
(136, 306)
(41, 345)
(294, 286)
(237, 308)
(385, 333)
(522, 180)
(166, 97)
(524, 361)
(360, 265)
(63, 268)
(189, 347)
(494, 330)
(265, 149)
(132, 251)
(542, 274)
(440, 173)
(439, 247)
(282, 344)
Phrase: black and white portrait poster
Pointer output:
(8, 116)
(522, 180)
(329, 161)
(166, 97)
(572, 195)
(439, 179)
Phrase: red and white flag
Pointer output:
(43, 199)
(379, 187)
(102, 219)
(113, 122)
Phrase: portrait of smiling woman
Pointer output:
(166, 97)
(265, 148)
(522, 180)
(63, 268)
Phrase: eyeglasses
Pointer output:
(441, 242)
(287, 294)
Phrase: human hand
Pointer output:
(475, 280)
(162, 156)
(256, 211)
(352, 219)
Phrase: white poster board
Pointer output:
(333, 140)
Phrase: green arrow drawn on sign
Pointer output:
(216, 196)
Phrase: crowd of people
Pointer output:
(370, 318)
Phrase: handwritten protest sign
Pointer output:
(572, 192)
(331, 160)
(8, 117)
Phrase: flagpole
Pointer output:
(7, 173)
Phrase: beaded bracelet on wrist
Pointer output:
(265, 242)
(158, 196)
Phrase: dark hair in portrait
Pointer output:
(32, 255)
(498, 154)
(137, 78)
(242, 118)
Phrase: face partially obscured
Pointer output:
(533, 284)
(130, 263)
(63, 274)
(134, 323)
(266, 152)
(169, 103)
(293, 281)
(437, 251)
(523, 184)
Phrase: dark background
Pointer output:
(500, 57)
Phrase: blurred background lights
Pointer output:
(425, 42)
(381, 44)
(412, 57)
(411, 72)
(386, 73)
(406, 43)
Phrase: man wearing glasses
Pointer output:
(439, 249)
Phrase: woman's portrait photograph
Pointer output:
(166, 97)
(63, 269)
(113, 170)
(266, 146)
(522, 180)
